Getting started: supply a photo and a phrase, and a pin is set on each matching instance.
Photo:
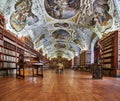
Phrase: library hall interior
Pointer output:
(59, 50)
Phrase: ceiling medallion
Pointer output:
(60, 34)
(62, 9)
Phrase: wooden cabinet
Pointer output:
(110, 59)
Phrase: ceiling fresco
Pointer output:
(62, 9)
(60, 34)
(22, 15)
(59, 45)
(61, 28)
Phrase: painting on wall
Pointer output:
(60, 34)
(23, 15)
(62, 9)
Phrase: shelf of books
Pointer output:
(85, 58)
(2, 25)
(1, 48)
(10, 55)
(11, 47)
(2, 21)
(76, 61)
(110, 56)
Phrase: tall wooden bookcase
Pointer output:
(85, 58)
(10, 48)
(2, 25)
(110, 59)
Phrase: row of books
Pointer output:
(9, 65)
(1, 49)
(0, 35)
(107, 44)
(1, 57)
(107, 65)
(29, 53)
(107, 60)
(107, 55)
(107, 47)
(88, 57)
(108, 37)
(9, 41)
(118, 64)
(118, 41)
(9, 58)
(9, 52)
(9, 35)
(28, 41)
(1, 42)
(109, 50)
(19, 50)
(9, 46)
(118, 46)
(1, 65)
(107, 40)
(119, 57)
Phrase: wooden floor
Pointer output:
(68, 86)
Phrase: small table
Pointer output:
(38, 66)
(34, 65)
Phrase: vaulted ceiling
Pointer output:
(60, 28)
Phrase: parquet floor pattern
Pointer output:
(68, 86)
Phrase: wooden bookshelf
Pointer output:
(85, 58)
(76, 61)
(2, 21)
(110, 59)
(1, 48)
(28, 41)
(3, 70)
(11, 47)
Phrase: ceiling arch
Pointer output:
(42, 20)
